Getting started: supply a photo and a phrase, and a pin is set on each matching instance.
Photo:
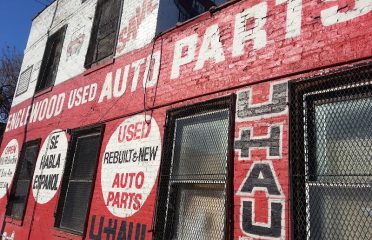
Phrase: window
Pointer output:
(331, 156)
(22, 180)
(173, 11)
(193, 193)
(24, 81)
(78, 180)
(104, 33)
(52, 55)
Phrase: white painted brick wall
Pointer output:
(79, 17)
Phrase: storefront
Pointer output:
(248, 121)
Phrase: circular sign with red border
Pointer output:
(8, 164)
(130, 165)
(49, 167)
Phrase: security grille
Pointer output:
(22, 180)
(24, 81)
(104, 33)
(193, 202)
(331, 155)
(78, 180)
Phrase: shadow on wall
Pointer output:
(2, 129)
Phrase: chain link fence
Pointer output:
(193, 193)
(331, 155)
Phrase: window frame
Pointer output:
(304, 95)
(228, 103)
(17, 92)
(89, 60)
(16, 178)
(75, 134)
(46, 58)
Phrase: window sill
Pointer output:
(63, 232)
(99, 65)
(43, 91)
(13, 221)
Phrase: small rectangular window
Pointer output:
(78, 180)
(24, 81)
(331, 137)
(50, 62)
(173, 11)
(104, 33)
(21, 184)
(193, 189)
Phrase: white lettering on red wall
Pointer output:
(142, 73)
(248, 28)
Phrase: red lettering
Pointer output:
(110, 197)
(138, 129)
(10, 149)
(116, 181)
(140, 179)
(137, 202)
(130, 132)
(146, 128)
(122, 131)
(124, 200)
(116, 199)
(124, 197)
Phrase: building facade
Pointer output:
(160, 119)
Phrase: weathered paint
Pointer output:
(250, 48)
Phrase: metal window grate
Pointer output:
(78, 180)
(193, 186)
(24, 81)
(22, 180)
(331, 155)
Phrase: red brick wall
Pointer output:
(252, 68)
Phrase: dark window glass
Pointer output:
(78, 181)
(52, 55)
(193, 185)
(104, 33)
(173, 11)
(331, 137)
(22, 180)
(191, 8)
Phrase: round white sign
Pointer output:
(130, 165)
(49, 167)
(8, 164)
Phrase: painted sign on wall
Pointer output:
(261, 121)
(130, 165)
(49, 167)
(8, 164)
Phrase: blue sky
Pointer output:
(15, 21)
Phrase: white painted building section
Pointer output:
(79, 17)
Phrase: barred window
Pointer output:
(193, 189)
(78, 180)
(332, 170)
(23, 82)
(104, 32)
(21, 184)
(50, 62)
